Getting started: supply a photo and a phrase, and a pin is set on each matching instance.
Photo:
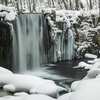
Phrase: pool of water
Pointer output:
(63, 73)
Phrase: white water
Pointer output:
(26, 42)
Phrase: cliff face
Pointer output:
(87, 29)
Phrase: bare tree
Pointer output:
(17, 5)
(90, 4)
(99, 8)
(6, 2)
(76, 4)
(65, 4)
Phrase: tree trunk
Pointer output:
(17, 5)
(6, 2)
(76, 4)
(90, 5)
(21, 5)
(65, 4)
(99, 8)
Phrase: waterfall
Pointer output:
(27, 41)
(32, 44)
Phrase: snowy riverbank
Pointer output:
(19, 85)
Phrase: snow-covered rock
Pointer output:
(65, 96)
(83, 65)
(5, 71)
(21, 94)
(90, 62)
(87, 55)
(96, 60)
(28, 97)
(89, 87)
(8, 13)
(28, 83)
(92, 73)
(85, 90)
(74, 85)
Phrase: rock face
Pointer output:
(86, 38)
(61, 34)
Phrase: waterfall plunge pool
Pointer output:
(61, 72)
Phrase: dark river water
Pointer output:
(63, 73)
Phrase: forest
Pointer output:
(32, 5)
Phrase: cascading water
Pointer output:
(32, 44)
(27, 37)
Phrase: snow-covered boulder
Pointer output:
(65, 96)
(90, 62)
(21, 94)
(85, 90)
(95, 65)
(92, 73)
(8, 13)
(87, 55)
(29, 83)
(28, 97)
(96, 60)
(83, 65)
(74, 85)
(5, 71)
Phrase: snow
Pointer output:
(29, 97)
(33, 84)
(84, 90)
(90, 62)
(21, 94)
(83, 65)
(10, 16)
(5, 71)
(87, 55)
(48, 10)
(89, 87)
(96, 60)
(65, 96)
(87, 90)
(74, 85)
(8, 13)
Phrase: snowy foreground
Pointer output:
(29, 87)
